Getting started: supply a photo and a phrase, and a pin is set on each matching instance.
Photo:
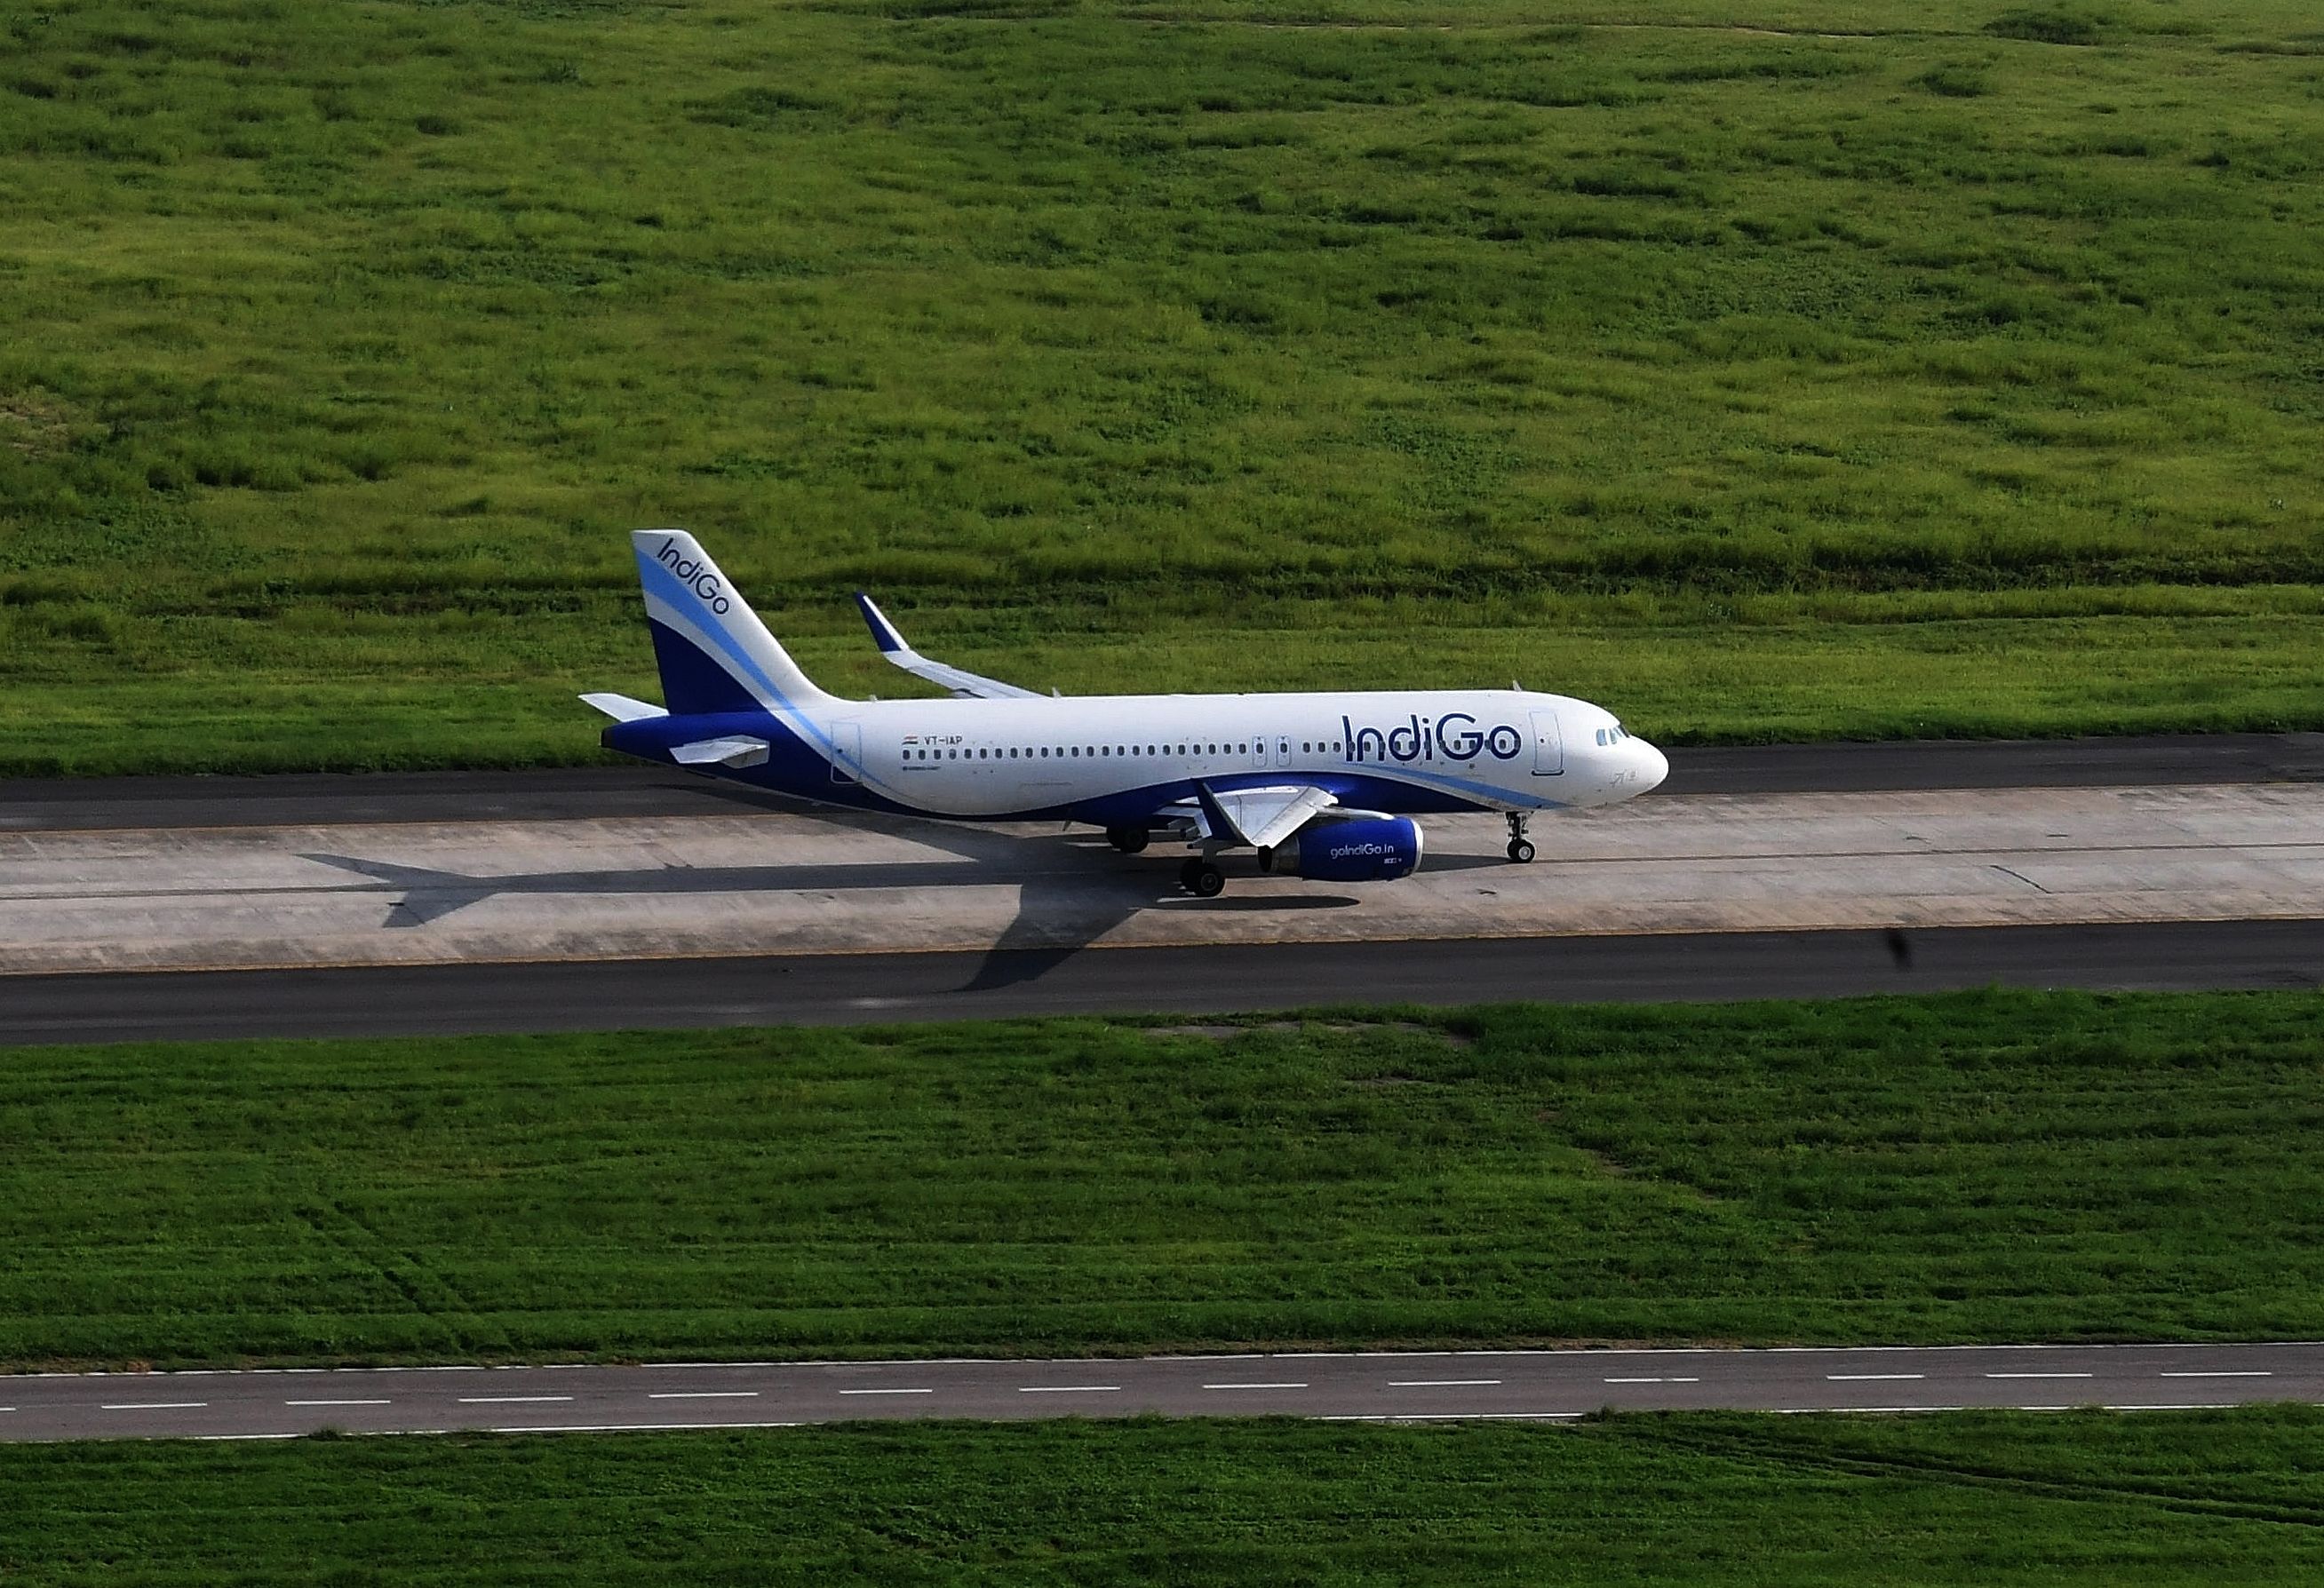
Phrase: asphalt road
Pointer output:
(854, 989)
(571, 793)
(1353, 1386)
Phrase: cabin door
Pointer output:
(1548, 745)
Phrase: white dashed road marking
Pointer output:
(887, 1391)
(1868, 1377)
(1254, 1386)
(153, 1405)
(511, 1399)
(2224, 1372)
(1436, 1383)
(702, 1395)
(1066, 1389)
(1653, 1380)
(2038, 1375)
(336, 1403)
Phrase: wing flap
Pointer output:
(1261, 817)
(966, 685)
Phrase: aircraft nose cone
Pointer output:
(1653, 766)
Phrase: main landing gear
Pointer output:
(1130, 840)
(1202, 878)
(1520, 850)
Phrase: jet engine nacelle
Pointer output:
(1371, 849)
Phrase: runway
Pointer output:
(314, 906)
(1539, 1386)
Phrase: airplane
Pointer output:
(1322, 785)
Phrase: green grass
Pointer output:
(1967, 1168)
(1891, 381)
(1991, 1498)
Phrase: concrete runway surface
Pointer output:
(1355, 1386)
(457, 902)
(802, 883)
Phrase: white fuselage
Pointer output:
(1401, 750)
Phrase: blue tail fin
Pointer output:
(715, 655)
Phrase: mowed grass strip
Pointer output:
(1951, 342)
(2195, 1498)
(390, 693)
(1986, 1167)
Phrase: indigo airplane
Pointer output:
(1323, 786)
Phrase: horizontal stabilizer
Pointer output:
(738, 751)
(964, 684)
(620, 708)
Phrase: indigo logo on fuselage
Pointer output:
(697, 577)
(1453, 737)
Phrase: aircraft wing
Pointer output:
(738, 752)
(1261, 817)
(966, 685)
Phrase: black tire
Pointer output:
(1130, 840)
(1209, 881)
(1520, 851)
(1186, 874)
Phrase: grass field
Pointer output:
(1976, 1167)
(2206, 1498)
(1815, 367)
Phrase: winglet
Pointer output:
(893, 646)
(884, 633)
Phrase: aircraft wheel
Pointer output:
(1186, 870)
(1520, 850)
(1130, 840)
(1206, 880)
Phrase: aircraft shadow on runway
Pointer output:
(1063, 907)
(1045, 934)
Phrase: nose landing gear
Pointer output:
(1520, 851)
